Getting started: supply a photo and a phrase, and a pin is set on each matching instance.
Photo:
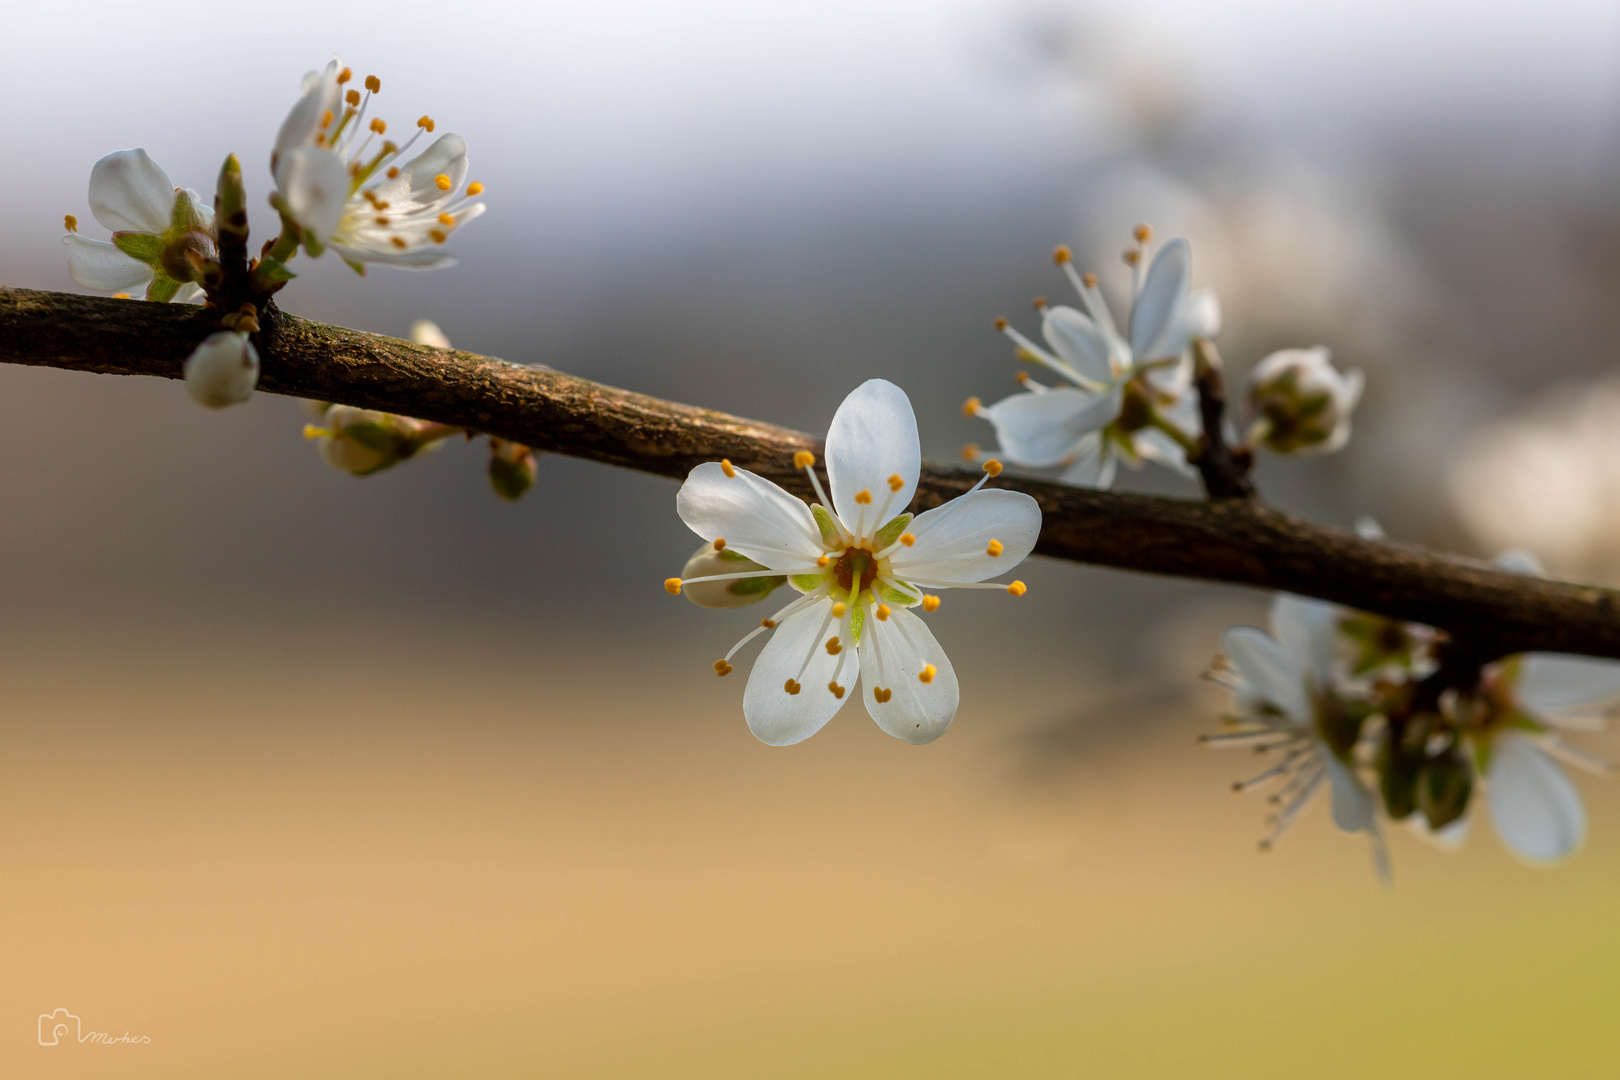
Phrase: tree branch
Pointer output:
(1234, 540)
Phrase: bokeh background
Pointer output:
(309, 775)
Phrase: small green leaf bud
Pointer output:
(511, 469)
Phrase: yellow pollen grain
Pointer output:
(352, 97)
(393, 172)
(880, 695)
(721, 668)
(1143, 233)
(837, 691)
(446, 219)
(672, 586)
(970, 452)
(971, 407)
(833, 648)
(791, 687)
(896, 482)
(120, 296)
(822, 561)
(1090, 280)
(864, 497)
(728, 468)
(804, 459)
(908, 538)
(70, 222)
(437, 236)
(1061, 254)
(344, 76)
(993, 467)
(994, 549)
(475, 188)
(378, 125)
(769, 624)
(883, 612)
(930, 603)
(838, 611)
(397, 241)
(374, 84)
(425, 123)
(1017, 588)
(927, 674)
(1001, 322)
(442, 182)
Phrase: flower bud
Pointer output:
(1302, 404)
(1397, 779)
(362, 441)
(1444, 786)
(511, 468)
(739, 592)
(223, 370)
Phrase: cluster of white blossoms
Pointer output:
(860, 563)
(1129, 395)
(1335, 696)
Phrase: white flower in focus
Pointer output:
(153, 224)
(1284, 685)
(223, 370)
(1302, 403)
(337, 177)
(1127, 394)
(861, 567)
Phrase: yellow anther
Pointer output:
(475, 188)
(838, 611)
(397, 241)
(120, 296)
(1143, 233)
(70, 222)
(378, 125)
(671, 585)
(880, 695)
(1039, 303)
(1132, 256)
(313, 432)
(864, 497)
(438, 236)
(381, 220)
(908, 538)
(970, 452)
(719, 543)
(425, 123)
(1017, 588)
(994, 549)
(344, 76)
(1023, 378)
(833, 648)
(727, 467)
(442, 182)
(803, 459)
(837, 691)
(1001, 322)
(352, 97)
(769, 624)
(993, 467)
(1090, 280)
(791, 687)
(896, 482)
(393, 172)
(446, 219)
(326, 118)
(883, 612)
(1061, 254)
(822, 561)
(721, 668)
(930, 602)
(927, 673)
(971, 407)
(374, 84)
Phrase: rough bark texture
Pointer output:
(1229, 540)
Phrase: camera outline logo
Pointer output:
(50, 1024)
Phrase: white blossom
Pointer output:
(1124, 393)
(336, 176)
(1302, 403)
(861, 565)
(153, 223)
(223, 370)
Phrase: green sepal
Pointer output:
(313, 245)
(807, 582)
(162, 289)
(857, 619)
(733, 556)
(762, 586)
(1445, 786)
(893, 593)
(887, 535)
(354, 264)
(831, 534)
(371, 435)
(143, 247)
(272, 272)
(511, 479)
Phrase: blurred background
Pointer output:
(309, 775)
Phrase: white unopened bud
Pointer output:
(739, 592)
(1302, 404)
(223, 370)
(363, 441)
(424, 332)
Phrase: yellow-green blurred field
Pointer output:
(479, 859)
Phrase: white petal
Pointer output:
(417, 183)
(129, 192)
(1352, 802)
(752, 515)
(1201, 315)
(427, 332)
(1046, 428)
(223, 370)
(953, 540)
(894, 651)
(1156, 314)
(1519, 561)
(873, 437)
(189, 292)
(1094, 464)
(314, 185)
(1078, 341)
(1268, 671)
(777, 717)
(320, 94)
(1309, 631)
(96, 264)
(1537, 811)
(1553, 682)
(1154, 445)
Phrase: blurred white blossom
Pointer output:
(223, 370)
(1302, 403)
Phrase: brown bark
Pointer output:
(1233, 540)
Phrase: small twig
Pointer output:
(1224, 469)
